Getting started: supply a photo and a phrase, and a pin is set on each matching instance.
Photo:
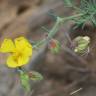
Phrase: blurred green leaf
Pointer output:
(35, 76)
(25, 80)
(88, 8)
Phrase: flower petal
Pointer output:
(22, 60)
(27, 51)
(11, 62)
(14, 62)
(7, 46)
(23, 44)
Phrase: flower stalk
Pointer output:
(55, 29)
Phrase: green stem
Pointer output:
(38, 44)
(71, 17)
(55, 28)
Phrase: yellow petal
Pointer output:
(24, 46)
(7, 46)
(11, 62)
(14, 62)
(21, 43)
(27, 51)
(22, 60)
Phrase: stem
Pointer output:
(58, 22)
(55, 28)
(71, 17)
(40, 43)
(51, 33)
(76, 8)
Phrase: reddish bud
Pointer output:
(54, 46)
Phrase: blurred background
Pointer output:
(63, 73)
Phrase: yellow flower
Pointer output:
(20, 51)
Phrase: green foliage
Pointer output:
(25, 80)
(35, 76)
(88, 8)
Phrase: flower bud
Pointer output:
(82, 44)
(54, 46)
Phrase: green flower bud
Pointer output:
(82, 44)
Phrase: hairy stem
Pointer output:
(71, 17)
(55, 29)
